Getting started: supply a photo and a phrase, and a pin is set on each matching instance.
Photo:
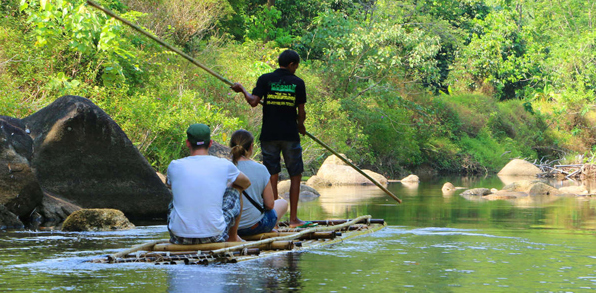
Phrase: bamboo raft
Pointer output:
(162, 252)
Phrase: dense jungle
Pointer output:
(398, 86)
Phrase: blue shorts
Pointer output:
(266, 224)
(292, 152)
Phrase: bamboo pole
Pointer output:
(149, 35)
(273, 245)
(225, 80)
(315, 235)
(145, 246)
(339, 221)
(289, 237)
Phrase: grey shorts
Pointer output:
(231, 210)
(292, 152)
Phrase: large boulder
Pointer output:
(220, 151)
(20, 192)
(307, 193)
(54, 210)
(518, 167)
(335, 171)
(97, 220)
(83, 157)
(8, 220)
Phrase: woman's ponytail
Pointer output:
(240, 143)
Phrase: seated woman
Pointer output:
(260, 212)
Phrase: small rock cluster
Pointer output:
(524, 185)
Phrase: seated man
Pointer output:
(205, 208)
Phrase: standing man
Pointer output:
(283, 95)
(206, 190)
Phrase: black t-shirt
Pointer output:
(281, 92)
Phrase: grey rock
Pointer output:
(8, 220)
(55, 210)
(476, 192)
(83, 157)
(20, 191)
(307, 193)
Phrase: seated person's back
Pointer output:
(198, 184)
(205, 208)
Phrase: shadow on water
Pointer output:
(434, 243)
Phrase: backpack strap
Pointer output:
(254, 203)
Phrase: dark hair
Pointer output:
(240, 143)
(288, 56)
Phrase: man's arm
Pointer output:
(251, 99)
(301, 118)
(241, 182)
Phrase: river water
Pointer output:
(434, 243)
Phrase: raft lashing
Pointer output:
(162, 252)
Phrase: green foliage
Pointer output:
(262, 26)
(455, 85)
(90, 34)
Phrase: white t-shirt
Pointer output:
(259, 178)
(198, 184)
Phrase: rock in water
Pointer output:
(411, 178)
(307, 193)
(83, 157)
(54, 210)
(20, 192)
(542, 189)
(334, 171)
(96, 220)
(447, 188)
(519, 167)
(476, 192)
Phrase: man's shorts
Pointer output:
(266, 224)
(292, 152)
(231, 210)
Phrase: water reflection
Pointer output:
(435, 243)
(410, 188)
(337, 201)
(270, 274)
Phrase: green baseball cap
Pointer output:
(198, 134)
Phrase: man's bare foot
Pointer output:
(296, 223)
(301, 224)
